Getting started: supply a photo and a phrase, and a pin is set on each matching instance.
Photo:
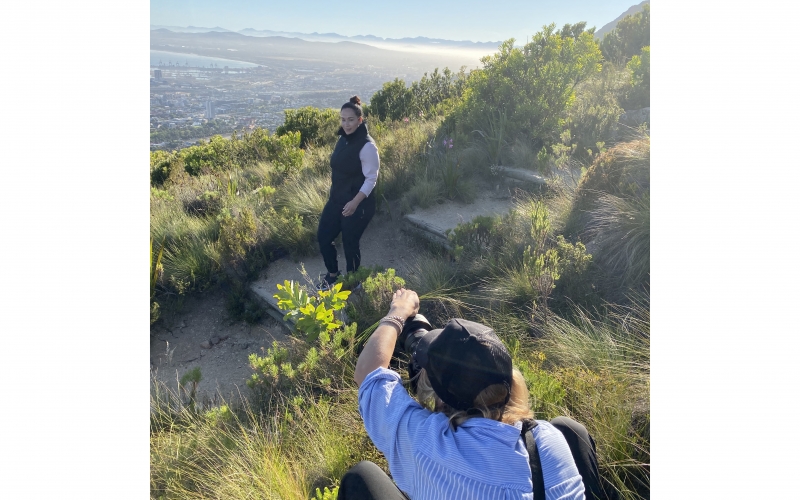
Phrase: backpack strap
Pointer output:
(533, 458)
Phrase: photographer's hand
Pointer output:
(379, 348)
(405, 303)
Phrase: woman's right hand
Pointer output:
(405, 303)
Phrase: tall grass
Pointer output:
(621, 226)
(220, 452)
(402, 149)
(305, 196)
(604, 367)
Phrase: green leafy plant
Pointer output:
(327, 494)
(312, 315)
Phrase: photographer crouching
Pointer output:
(480, 441)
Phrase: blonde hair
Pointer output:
(515, 410)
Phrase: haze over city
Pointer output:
(318, 55)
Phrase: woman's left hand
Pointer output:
(350, 208)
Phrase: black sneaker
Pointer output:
(326, 282)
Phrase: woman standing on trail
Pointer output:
(351, 203)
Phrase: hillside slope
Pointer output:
(599, 34)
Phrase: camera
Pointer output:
(415, 328)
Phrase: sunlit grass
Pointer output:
(219, 452)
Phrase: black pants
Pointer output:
(332, 222)
(584, 452)
(366, 481)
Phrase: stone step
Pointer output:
(521, 174)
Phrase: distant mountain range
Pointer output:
(335, 37)
(266, 46)
(187, 29)
(599, 34)
(271, 50)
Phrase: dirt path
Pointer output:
(202, 334)
(177, 346)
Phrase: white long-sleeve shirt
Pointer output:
(370, 163)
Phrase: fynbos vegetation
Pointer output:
(563, 277)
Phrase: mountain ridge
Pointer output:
(607, 28)
(330, 37)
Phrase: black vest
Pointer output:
(346, 175)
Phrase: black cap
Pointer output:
(461, 360)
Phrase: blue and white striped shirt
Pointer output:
(481, 459)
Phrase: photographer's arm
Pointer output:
(380, 345)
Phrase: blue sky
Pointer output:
(450, 19)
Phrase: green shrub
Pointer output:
(156, 277)
(238, 233)
(208, 203)
(216, 155)
(285, 153)
(446, 167)
(498, 240)
(527, 259)
(190, 263)
(391, 102)
(524, 155)
(351, 280)
(165, 167)
(429, 95)
(300, 366)
(592, 119)
(638, 95)
(531, 85)
(241, 303)
(189, 382)
(370, 303)
(575, 285)
(316, 126)
(628, 37)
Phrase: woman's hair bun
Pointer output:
(355, 100)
